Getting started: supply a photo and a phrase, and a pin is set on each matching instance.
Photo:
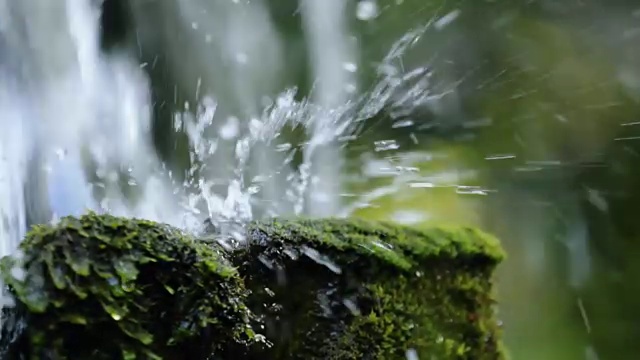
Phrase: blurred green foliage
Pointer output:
(551, 80)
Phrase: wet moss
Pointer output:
(101, 287)
(353, 289)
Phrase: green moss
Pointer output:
(353, 289)
(101, 287)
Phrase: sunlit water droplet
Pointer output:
(422, 185)
(447, 19)
(283, 147)
(230, 129)
(367, 10)
(402, 124)
(385, 145)
(471, 190)
(500, 157)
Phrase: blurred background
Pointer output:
(519, 117)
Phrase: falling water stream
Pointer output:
(67, 102)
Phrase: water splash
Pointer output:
(88, 148)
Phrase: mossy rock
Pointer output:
(101, 287)
(354, 289)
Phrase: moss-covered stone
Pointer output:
(353, 289)
(101, 287)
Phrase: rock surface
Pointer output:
(101, 287)
(354, 289)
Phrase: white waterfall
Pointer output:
(62, 102)
(334, 63)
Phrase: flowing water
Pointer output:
(196, 111)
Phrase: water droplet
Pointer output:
(447, 19)
(385, 145)
(283, 147)
(125, 269)
(421, 185)
(255, 128)
(350, 67)
(402, 124)
(230, 129)
(367, 10)
(412, 354)
(242, 149)
(597, 199)
(350, 88)
(266, 262)
(61, 153)
(351, 305)
(500, 157)
(177, 122)
(321, 259)
(269, 292)
(116, 312)
(383, 245)
(291, 253)
(471, 190)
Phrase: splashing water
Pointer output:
(77, 120)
